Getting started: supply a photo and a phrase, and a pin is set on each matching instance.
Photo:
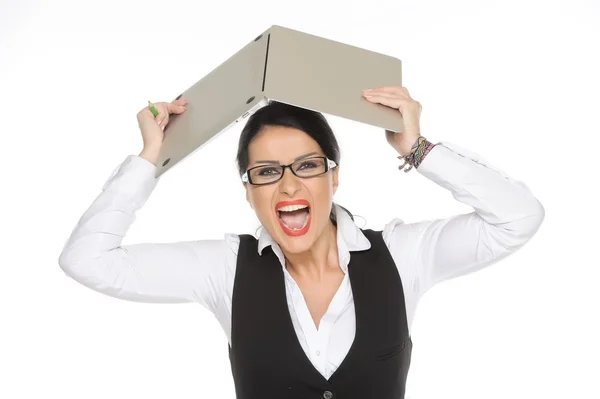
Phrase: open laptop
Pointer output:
(287, 66)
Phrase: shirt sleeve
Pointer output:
(177, 272)
(506, 215)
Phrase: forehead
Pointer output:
(283, 144)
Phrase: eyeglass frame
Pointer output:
(329, 165)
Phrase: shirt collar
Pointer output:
(349, 238)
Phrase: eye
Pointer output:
(309, 165)
(267, 171)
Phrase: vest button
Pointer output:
(328, 395)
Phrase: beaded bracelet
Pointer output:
(417, 154)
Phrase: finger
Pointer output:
(163, 112)
(161, 117)
(165, 119)
(392, 89)
(163, 123)
(381, 94)
(181, 101)
(393, 102)
(175, 108)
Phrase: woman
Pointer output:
(315, 307)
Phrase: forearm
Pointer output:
(150, 155)
(506, 215)
(495, 196)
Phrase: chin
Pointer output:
(295, 241)
(295, 245)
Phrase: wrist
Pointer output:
(408, 146)
(150, 154)
(416, 154)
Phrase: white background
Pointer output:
(515, 81)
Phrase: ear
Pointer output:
(248, 195)
(335, 178)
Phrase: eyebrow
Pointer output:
(297, 159)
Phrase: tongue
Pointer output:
(294, 219)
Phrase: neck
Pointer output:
(320, 258)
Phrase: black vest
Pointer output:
(267, 360)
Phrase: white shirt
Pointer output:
(506, 215)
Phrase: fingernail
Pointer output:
(368, 90)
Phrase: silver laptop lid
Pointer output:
(287, 66)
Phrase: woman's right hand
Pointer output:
(152, 127)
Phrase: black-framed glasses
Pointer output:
(304, 168)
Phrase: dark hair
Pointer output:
(279, 114)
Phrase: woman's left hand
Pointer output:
(398, 98)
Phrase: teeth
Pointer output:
(303, 224)
(290, 208)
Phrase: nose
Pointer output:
(289, 183)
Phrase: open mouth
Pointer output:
(294, 217)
